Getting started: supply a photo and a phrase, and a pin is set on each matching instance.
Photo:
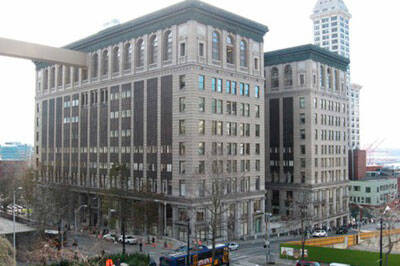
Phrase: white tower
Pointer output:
(331, 31)
(331, 26)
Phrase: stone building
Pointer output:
(169, 95)
(306, 135)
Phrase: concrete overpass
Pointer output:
(43, 53)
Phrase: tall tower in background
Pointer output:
(331, 26)
(332, 31)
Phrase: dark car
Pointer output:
(341, 231)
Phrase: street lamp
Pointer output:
(267, 245)
(387, 209)
(13, 212)
(75, 212)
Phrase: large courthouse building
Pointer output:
(306, 134)
(172, 96)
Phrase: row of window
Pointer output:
(217, 166)
(230, 87)
(217, 148)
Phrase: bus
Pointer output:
(199, 257)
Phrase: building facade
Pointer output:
(306, 136)
(172, 96)
(373, 191)
(15, 151)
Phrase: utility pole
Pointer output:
(123, 225)
(380, 243)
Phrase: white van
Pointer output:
(338, 264)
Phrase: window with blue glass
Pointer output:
(213, 84)
(247, 90)
(241, 89)
(257, 91)
(233, 87)
(219, 85)
(228, 86)
(201, 82)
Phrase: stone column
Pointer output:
(250, 213)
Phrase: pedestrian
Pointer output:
(140, 246)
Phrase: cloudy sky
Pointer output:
(374, 50)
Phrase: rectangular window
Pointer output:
(302, 118)
(182, 148)
(257, 130)
(302, 134)
(182, 82)
(302, 80)
(182, 105)
(182, 49)
(213, 84)
(257, 92)
(202, 104)
(228, 86)
(302, 103)
(182, 127)
(247, 90)
(219, 88)
(202, 127)
(201, 49)
(182, 188)
(257, 111)
(241, 88)
(201, 148)
(233, 87)
(201, 82)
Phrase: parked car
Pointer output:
(307, 263)
(341, 231)
(338, 264)
(319, 233)
(129, 239)
(233, 246)
(110, 236)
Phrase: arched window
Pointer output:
(153, 49)
(337, 80)
(330, 81)
(216, 46)
(139, 53)
(243, 54)
(167, 45)
(274, 77)
(95, 65)
(116, 56)
(104, 61)
(127, 56)
(288, 75)
(230, 50)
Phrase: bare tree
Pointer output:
(300, 212)
(216, 198)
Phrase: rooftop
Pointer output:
(305, 52)
(164, 18)
(325, 6)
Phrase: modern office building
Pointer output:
(15, 151)
(306, 137)
(373, 191)
(173, 96)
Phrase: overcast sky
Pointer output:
(374, 48)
